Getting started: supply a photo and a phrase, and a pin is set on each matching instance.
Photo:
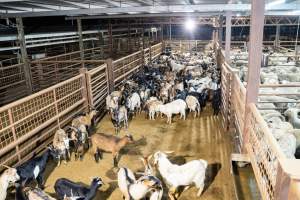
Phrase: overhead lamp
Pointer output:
(190, 24)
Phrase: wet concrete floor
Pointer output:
(197, 138)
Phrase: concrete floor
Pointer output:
(190, 139)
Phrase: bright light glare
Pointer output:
(190, 25)
(274, 3)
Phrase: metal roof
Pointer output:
(31, 8)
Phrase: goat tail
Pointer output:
(204, 162)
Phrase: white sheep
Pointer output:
(193, 105)
(181, 175)
(293, 116)
(174, 107)
(8, 177)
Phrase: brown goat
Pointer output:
(109, 143)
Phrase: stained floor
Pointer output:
(190, 139)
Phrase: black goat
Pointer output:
(216, 101)
(34, 168)
(66, 188)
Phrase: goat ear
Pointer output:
(149, 157)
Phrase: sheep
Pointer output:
(175, 107)
(180, 175)
(66, 188)
(34, 168)
(118, 117)
(293, 116)
(61, 145)
(193, 105)
(79, 136)
(134, 102)
(9, 176)
(109, 143)
(135, 189)
(87, 120)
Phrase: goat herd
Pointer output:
(171, 84)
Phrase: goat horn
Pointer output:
(169, 152)
(8, 167)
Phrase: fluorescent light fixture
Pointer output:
(238, 14)
(190, 24)
(133, 13)
(274, 3)
(183, 11)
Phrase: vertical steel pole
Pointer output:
(228, 37)
(110, 38)
(24, 56)
(254, 63)
(81, 48)
(220, 31)
(277, 36)
(170, 27)
(161, 32)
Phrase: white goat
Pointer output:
(153, 108)
(135, 189)
(8, 177)
(181, 175)
(61, 145)
(176, 67)
(134, 102)
(193, 105)
(174, 107)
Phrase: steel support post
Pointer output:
(110, 38)
(228, 37)
(24, 56)
(277, 36)
(220, 31)
(81, 48)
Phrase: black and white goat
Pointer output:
(34, 168)
(66, 188)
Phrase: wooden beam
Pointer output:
(254, 63)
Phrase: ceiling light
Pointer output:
(190, 24)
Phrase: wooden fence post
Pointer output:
(110, 75)
(150, 53)
(83, 72)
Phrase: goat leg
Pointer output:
(40, 181)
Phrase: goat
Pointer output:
(216, 101)
(175, 107)
(34, 168)
(87, 120)
(181, 175)
(133, 103)
(61, 145)
(118, 116)
(109, 143)
(135, 189)
(158, 192)
(29, 193)
(79, 136)
(193, 105)
(9, 176)
(153, 108)
(66, 188)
